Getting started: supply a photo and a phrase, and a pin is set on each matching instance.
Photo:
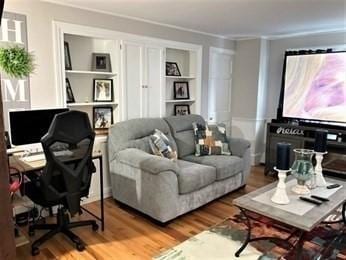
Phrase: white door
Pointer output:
(220, 82)
(154, 79)
(132, 79)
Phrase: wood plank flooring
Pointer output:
(129, 235)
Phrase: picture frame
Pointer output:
(102, 117)
(68, 63)
(69, 92)
(103, 90)
(101, 62)
(172, 69)
(181, 90)
(181, 110)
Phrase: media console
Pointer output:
(303, 137)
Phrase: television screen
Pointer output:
(315, 87)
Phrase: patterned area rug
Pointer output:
(224, 239)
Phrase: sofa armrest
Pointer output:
(150, 163)
(238, 146)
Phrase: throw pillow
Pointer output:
(210, 140)
(161, 146)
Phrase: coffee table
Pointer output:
(300, 215)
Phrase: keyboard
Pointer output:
(34, 158)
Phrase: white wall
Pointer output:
(245, 78)
(40, 40)
(249, 93)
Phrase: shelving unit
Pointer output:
(81, 77)
(110, 74)
(187, 61)
(180, 100)
(91, 104)
(180, 77)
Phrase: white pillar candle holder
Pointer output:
(280, 195)
(320, 181)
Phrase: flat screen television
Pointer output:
(314, 87)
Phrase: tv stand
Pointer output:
(303, 136)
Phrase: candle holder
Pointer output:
(280, 195)
(302, 169)
(320, 181)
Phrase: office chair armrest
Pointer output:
(145, 161)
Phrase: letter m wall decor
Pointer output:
(15, 92)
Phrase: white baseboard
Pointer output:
(256, 159)
(107, 192)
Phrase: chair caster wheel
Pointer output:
(35, 251)
(31, 232)
(95, 227)
(80, 247)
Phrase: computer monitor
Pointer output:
(29, 126)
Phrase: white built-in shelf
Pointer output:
(180, 100)
(180, 77)
(84, 104)
(86, 72)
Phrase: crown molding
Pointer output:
(305, 33)
(137, 19)
(239, 37)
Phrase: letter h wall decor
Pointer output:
(15, 92)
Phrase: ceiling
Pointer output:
(229, 18)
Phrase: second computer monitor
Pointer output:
(29, 126)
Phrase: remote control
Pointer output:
(316, 202)
(333, 186)
(319, 198)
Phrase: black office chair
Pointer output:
(66, 177)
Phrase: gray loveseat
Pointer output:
(164, 189)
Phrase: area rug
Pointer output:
(223, 240)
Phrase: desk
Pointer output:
(23, 166)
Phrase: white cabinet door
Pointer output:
(142, 80)
(154, 78)
(132, 78)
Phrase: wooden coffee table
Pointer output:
(301, 216)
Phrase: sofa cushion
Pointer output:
(182, 131)
(194, 176)
(161, 145)
(210, 140)
(226, 166)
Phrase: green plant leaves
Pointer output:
(16, 62)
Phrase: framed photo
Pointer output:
(181, 90)
(101, 62)
(172, 69)
(103, 90)
(68, 64)
(181, 110)
(102, 117)
(69, 92)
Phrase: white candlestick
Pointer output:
(280, 195)
(320, 181)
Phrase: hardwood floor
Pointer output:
(129, 235)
